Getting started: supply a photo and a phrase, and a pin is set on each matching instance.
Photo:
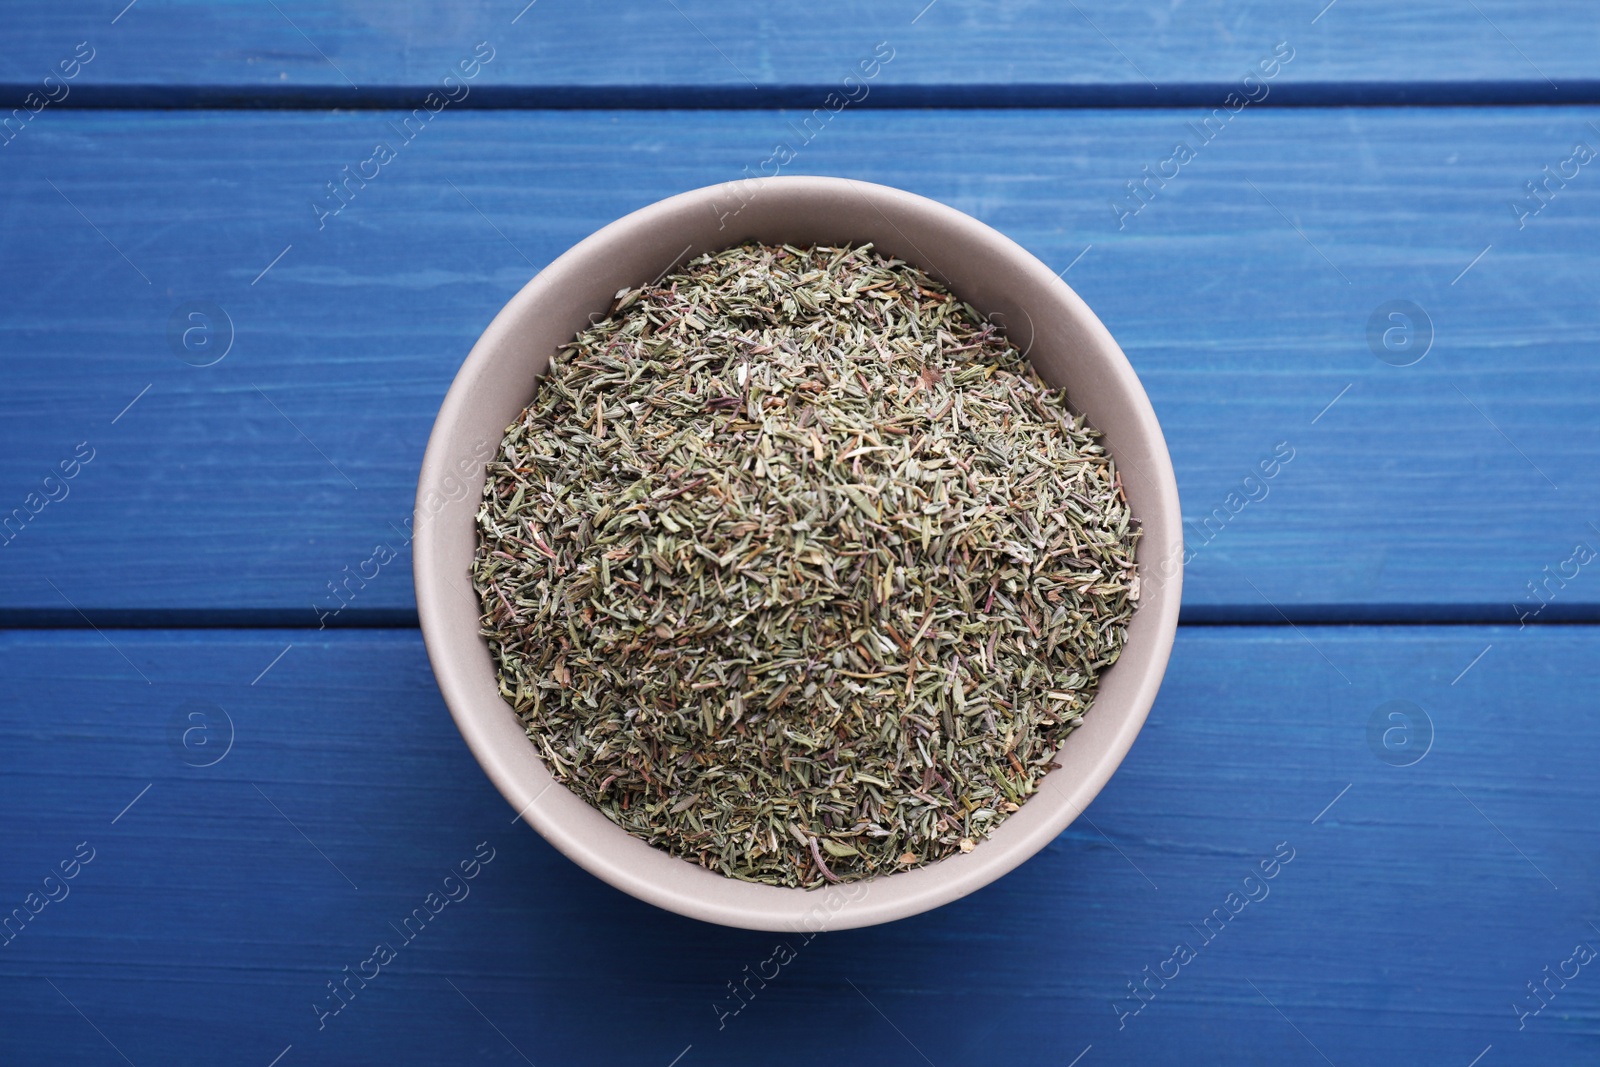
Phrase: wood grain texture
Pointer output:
(697, 53)
(1417, 905)
(1242, 293)
(245, 857)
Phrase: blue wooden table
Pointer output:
(225, 331)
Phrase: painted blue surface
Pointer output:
(230, 815)
(703, 53)
(237, 492)
(1411, 917)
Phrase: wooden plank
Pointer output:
(1242, 292)
(220, 900)
(697, 53)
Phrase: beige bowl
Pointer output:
(1040, 314)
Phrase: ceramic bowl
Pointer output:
(1039, 313)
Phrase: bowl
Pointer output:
(1040, 314)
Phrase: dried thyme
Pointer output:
(795, 569)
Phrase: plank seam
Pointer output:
(1465, 93)
(17, 622)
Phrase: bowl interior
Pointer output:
(1040, 314)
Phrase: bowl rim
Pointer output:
(849, 904)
